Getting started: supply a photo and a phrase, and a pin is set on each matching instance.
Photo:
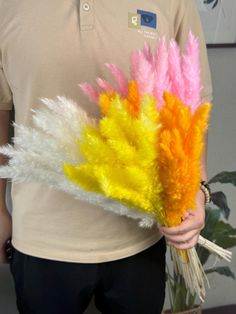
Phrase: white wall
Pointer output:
(222, 155)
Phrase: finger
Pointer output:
(186, 216)
(9, 258)
(8, 246)
(189, 213)
(184, 246)
(8, 251)
(186, 226)
(8, 243)
(183, 237)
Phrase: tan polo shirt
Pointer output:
(46, 49)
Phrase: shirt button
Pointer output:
(86, 6)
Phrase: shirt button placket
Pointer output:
(86, 14)
(86, 6)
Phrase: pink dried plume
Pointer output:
(167, 69)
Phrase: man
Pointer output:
(64, 250)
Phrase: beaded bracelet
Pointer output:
(204, 186)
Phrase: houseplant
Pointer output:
(218, 230)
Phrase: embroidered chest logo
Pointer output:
(142, 18)
(144, 22)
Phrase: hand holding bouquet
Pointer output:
(141, 158)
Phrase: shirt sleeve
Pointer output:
(190, 21)
(5, 92)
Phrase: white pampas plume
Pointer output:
(54, 140)
(39, 154)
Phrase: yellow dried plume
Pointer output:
(147, 159)
(121, 155)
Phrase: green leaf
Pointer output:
(226, 271)
(191, 301)
(224, 177)
(215, 4)
(180, 298)
(224, 235)
(224, 229)
(226, 242)
(211, 219)
(217, 231)
(203, 254)
(220, 200)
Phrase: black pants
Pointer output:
(132, 285)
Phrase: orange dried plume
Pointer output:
(180, 145)
(132, 101)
